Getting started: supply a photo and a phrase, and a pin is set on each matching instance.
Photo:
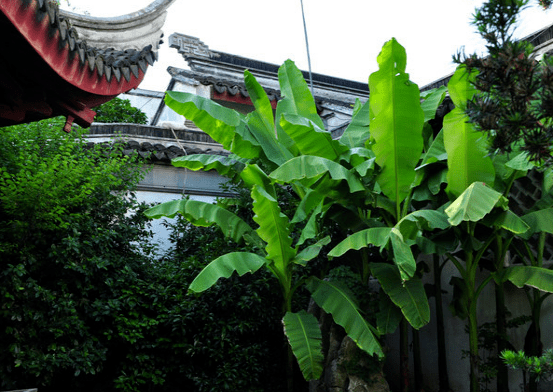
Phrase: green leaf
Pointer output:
(307, 166)
(409, 295)
(538, 221)
(296, 99)
(254, 175)
(304, 336)
(396, 122)
(403, 256)
(204, 214)
(261, 122)
(337, 300)
(377, 236)
(224, 266)
(309, 139)
(388, 317)
(467, 148)
(431, 102)
(224, 125)
(311, 251)
(474, 203)
(225, 166)
(426, 220)
(274, 230)
(436, 151)
(511, 222)
(523, 275)
(357, 132)
(260, 101)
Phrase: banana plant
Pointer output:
(278, 255)
(479, 186)
(258, 137)
(384, 145)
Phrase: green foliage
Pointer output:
(514, 104)
(71, 238)
(537, 367)
(119, 111)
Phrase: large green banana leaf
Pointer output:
(474, 203)
(396, 123)
(466, 147)
(422, 220)
(388, 317)
(310, 139)
(337, 300)
(509, 221)
(524, 275)
(380, 236)
(262, 124)
(538, 221)
(409, 295)
(200, 213)
(224, 266)
(225, 166)
(302, 331)
(403, 256)
(357, 132)
(224, 125)
(311, 251)
(307, 166)
(377, 236)
(254, 175)
(296, 99)
(431, 101)
(274, 230)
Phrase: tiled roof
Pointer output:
(49, 70)
(154, 143)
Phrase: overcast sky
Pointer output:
(345, 37)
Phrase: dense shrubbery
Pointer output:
(85, 306)
(119, 111)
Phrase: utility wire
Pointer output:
(307, 49)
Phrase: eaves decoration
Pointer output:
(47, 69)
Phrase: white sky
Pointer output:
(345, 37)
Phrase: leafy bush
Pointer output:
(119, 111)
(71, 231)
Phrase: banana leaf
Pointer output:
(224, 266)
(538, 221)
(311, 251)
(474, 203)
(377, 236)
(337, 300)
(396, 123)
(409, 295)
(466, 147)
(274, 230)
(304, 336)
(357, 132)
(524, 275)
(204, 214)
(307, 166)
(431, 101)
(262, 123)
(224, 125)
(388, 317)
(296, 99)
(309, 139)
